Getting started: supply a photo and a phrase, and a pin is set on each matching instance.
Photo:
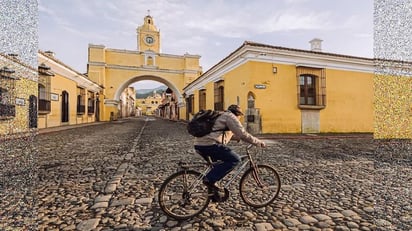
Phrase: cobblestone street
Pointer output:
(106, 176)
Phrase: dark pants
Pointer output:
(218, 152)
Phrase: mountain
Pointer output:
(144, 93)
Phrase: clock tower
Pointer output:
(148, 37)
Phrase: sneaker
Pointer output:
(213, 191)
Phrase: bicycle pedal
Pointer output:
(216, 198)
(219, 196)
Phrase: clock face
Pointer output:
(149, 39)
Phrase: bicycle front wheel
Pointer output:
(183, 195)
(259, 187)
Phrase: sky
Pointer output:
(212, 29)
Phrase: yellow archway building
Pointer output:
(116, 69)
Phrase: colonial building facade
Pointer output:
(115, 69)
(18, 96)
(285, 90)
(150, 104)
(127, 103)
(66, 97)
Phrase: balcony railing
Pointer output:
(44, 106)
(7, 110)
(81, 109)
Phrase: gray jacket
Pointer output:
(229, 121)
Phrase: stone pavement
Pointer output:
(106, 177)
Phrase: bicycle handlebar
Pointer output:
(249, 146)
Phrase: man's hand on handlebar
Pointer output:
(262, 144)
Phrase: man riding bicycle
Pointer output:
(227, 126)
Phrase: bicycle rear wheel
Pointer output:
(259, 188)
(183, 195)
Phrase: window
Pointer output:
(149, 61)
(44, 87)
(202, 100)
(42, 92)
(44, 99)
(191, 104)
(7, 107)
(7, 93)
(311, 88)
(219, 95)
(307, 90)
(4, 96)
(90, 103)
(81, 108)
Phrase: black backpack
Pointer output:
(202, 123)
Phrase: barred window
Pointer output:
(219, 95)
(307, 90)
(5, 97)
(44, 97)
(191, 104)
(311, 87)
(81, 108)
(90, 102)
(7, 93)
(42, 92)
(202, 100)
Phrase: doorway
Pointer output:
(65, 107)
(32, 111)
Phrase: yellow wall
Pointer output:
(168, 69)
(66, 79)
(25, 86)
(96, 53)
(209, 96)
(123, 59)
(277, 103)
(58, 85)
(349, 96)
(349, 106)
(170, 62)
(393, 107)
(20, 123)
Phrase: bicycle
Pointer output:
(183, 195)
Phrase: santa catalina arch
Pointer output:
(115, 69)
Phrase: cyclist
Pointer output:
(214, 146)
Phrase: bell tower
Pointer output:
(148, 36)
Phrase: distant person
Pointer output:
(214, 146)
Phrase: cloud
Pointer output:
(210, 28)
(238, 21)
(287, 21)
(51, 15)
(295, 2)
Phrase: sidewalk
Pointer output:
(317, 136)
(66, 127)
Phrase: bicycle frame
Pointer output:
(246, 159)
(184, 195)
